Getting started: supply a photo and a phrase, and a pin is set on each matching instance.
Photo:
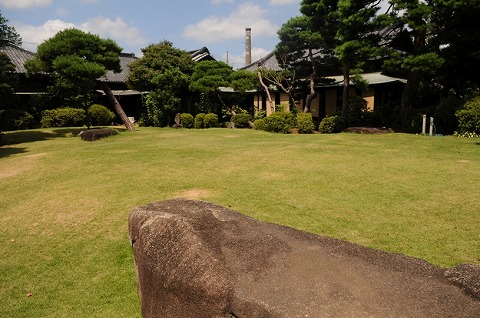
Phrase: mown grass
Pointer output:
(64, 202)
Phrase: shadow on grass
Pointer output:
(24, 136)
(8, 151)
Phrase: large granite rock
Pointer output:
(196, 259)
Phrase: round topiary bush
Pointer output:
(280, 122)
(199, 124)
(63, 117)
(210, 120)
(259, 124)
(100, 115)
(469, 118)
(241, 120)
(305, 123)
(330, 124)
(187, 120)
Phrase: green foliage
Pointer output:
(165, 72)
(259, 124)
(305, 123)
(280, 122)
(7, 82)
(77, 59)
(100, 115)
(199, 121)
(357, 112)
(209, 76)
(330, 125)
(187, 120)
(8, 34)
(469, 117)
(63, 117)
(445, 120)
(15, 119)
(241, 120)
(210, 120)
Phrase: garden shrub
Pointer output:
(210, 120)
(357, 112)
(330, 124)
(100, 115)
(63, 117)
(187, 120)
(259, 124)
(280, 122)
(199, 124)
(305, 123)
(469, 118)
(15, 119)
(241, 120)
(445, 120)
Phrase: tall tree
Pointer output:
(302, 50)
(8, 34)
(349, 28)
(76, 60)
(165, 72)
(422, 59)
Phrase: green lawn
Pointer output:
(64, 202)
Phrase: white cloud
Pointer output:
(213, 28)
(222, 1)
(24, 4)
(276, 2)
(116, 29)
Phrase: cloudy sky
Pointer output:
(218, 25)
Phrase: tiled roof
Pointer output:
(268, 62)
(18, 56)
(201, 55)
(371, 78)
(125, 60)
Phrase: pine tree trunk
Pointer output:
(346, 88)
(313, 93)
(409, 94)
(118, 108)
(269, 97)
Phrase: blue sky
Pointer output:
(218, 25)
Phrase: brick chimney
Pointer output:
(248, 46)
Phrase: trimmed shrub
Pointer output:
(469, 118)
(280, 122)
(100, 115)
(210, 120)
(199, 124)
(330, 124)
(187, 120)
(259, 124)
(357, 112)
(15, 119)
(241, 120)
(63, 117)
(305, 123)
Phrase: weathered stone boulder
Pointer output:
(196, 259)
(97, 133)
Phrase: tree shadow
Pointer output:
(24, 136)
(8, 151)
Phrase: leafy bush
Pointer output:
(445, 120)
(280, 122)
(100, 115)
(305, 123)
(259, 124)
(210, 120)
(330, 124)
(199, 121)
(469, 117)
(187, 120)
(357, 112)
(63, 117)
(15, 119)
(241, 120)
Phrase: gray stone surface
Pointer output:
(196, 259)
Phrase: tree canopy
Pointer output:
(8, 34)
(164, 71)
